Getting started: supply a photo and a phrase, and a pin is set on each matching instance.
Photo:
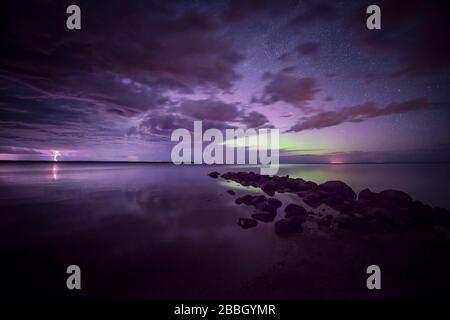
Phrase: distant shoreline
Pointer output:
(169, 162)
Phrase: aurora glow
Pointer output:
(116, 89)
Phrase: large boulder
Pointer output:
(295, 210)
(265, 207)
(313, 199)
(258, 199)
(366, 194)
(395, 198)
(274, 202)
(338, 188)
(269, 188)
(213, 174)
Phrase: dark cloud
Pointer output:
(255, 120)
(312, 11)
(240, 9)
(358, 113)
(162, 124)
(169, 50)
(159, 126)
(287, 88)
(212, 112)
(209, 110)
(308, 48)
(416, 32)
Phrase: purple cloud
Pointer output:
(357, 113)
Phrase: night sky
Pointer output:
(137, 70)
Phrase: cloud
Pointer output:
(357, 113)
(308, 48)
(313, 11)
(159, 126)
(241, 9)
(414, 32)
(209, 110)
(288, 88)
(168, 50)
(256, 120)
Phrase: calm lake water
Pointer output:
(156, 230)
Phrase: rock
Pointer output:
(295, 210)
(264, 217)
(289, 225)
(269, 188)
(246, 223)
(302, 194)
(274, 202)
(231, 192)
(394, 198)
(338, 188)
(359, 224)
(313, 200)
(213, 174)
(366, 194)
(334, 201)
(265, 207)
(258, 199)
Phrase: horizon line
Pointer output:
(161, 162)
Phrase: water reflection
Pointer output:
(155, 231)
(55, 172)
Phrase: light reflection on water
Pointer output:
(160, 227)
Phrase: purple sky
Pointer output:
(137, 70)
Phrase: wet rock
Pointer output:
(258, 199)
(231, 192)
(274, 202)
(247, 223)
(302, 194)
(338, 188)
(296, 185)
(394, 198)
(313, 200)
(265, 207)
(387, 211)
(368, 195)
(264, 217)
(334, 201)
(295, 210)
(269, 188)
(213, 174)
(289, 225)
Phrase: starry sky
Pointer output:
(137, 70)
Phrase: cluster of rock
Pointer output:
(386, 211)
(265, 210)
